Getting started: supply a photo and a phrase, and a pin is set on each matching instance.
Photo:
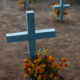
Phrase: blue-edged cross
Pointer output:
(31, 34)
(61, 8)
(27, 4)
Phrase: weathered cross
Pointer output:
(31, 34)
(27, 4)
(61, 8)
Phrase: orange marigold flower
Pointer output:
(51, 6)
(54, 65)
(39, 59)
(25, 65)
(60, 64)
(41, 71)
(51, 58)
(25, 76)
(47, 50)
(39, 77)
(64, 59)
(25, 60)
(56, 4)
(43, 65)
(35, 61)
(62, 68)
(66, 65)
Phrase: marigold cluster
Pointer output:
(43, 67)
(56, 11)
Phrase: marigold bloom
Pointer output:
(39, 60)
(64, 59)
(25, 65)
(47, 50)
(25, 76)
(25, 60)
(41, 70)
(29, 69)
(62, 68)
(33, 65)
(66, 65)
(54, 65)
(60, 64)
(51, 6)
(39, 77)
(65, 12)
(35, 61)
(43, 65)
(51, 58)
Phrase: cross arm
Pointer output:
(45, 33)
(66, 5)
(57, 7)
(16, 37)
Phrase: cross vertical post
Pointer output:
(31, 32)
(27, 4)
(31, 35)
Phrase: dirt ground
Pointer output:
(65, 44)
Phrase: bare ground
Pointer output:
(66, 43)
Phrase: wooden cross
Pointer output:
(31, 34)
(61, 8)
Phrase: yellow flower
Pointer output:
(39, 59)
(39, 53)
(43, 65)
(54, 65)
(47, 50)
(51, 58)
(51, 6)
(25, 76)
(39, 77)
(29, 69)
(41, 70)
(25, 60)
(35, 61)
(33, 65)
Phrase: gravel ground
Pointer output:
(66, 43)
